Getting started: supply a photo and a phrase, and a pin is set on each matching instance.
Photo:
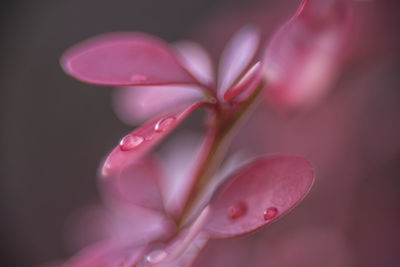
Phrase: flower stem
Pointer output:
(221, 129)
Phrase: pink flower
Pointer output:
(174, 218)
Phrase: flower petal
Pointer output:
(304, 56)
(140, 141)
(258, 194)
(135, 104)
(236, 56)
(197, 61)
(123, 59)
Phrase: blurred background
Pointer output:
(54, 131)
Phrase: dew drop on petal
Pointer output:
(138, 78)
(163, 124)
(270, 213)
(237, 210)
(130, 141)
(156, 256)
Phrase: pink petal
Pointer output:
(247, 83)
(133, 105)
(235, 58)
(304, 56)
(197, 61)
(258, 194)
(125, 59)
(143, 139)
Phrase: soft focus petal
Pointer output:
(304, 56)
(140, 141)
(136, 104)
(259, 193)
(125, 59)
(134, 196)
(236, 57)
(124, 225)
(136, 184)
(197, 61)
(105, 254)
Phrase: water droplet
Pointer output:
(156, 256)
(138, 78)
(237, 210)
(270, 213)
(130, 141)
(163, 124)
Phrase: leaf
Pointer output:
(258, 194)
(197, 61)
(305, 55)
(236, 56)
(144, 138)
(123, 59)
(134, 197)
(136, 184)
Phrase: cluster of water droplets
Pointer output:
(239, 209)
(132, 141)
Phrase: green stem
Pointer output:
(219, 136)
